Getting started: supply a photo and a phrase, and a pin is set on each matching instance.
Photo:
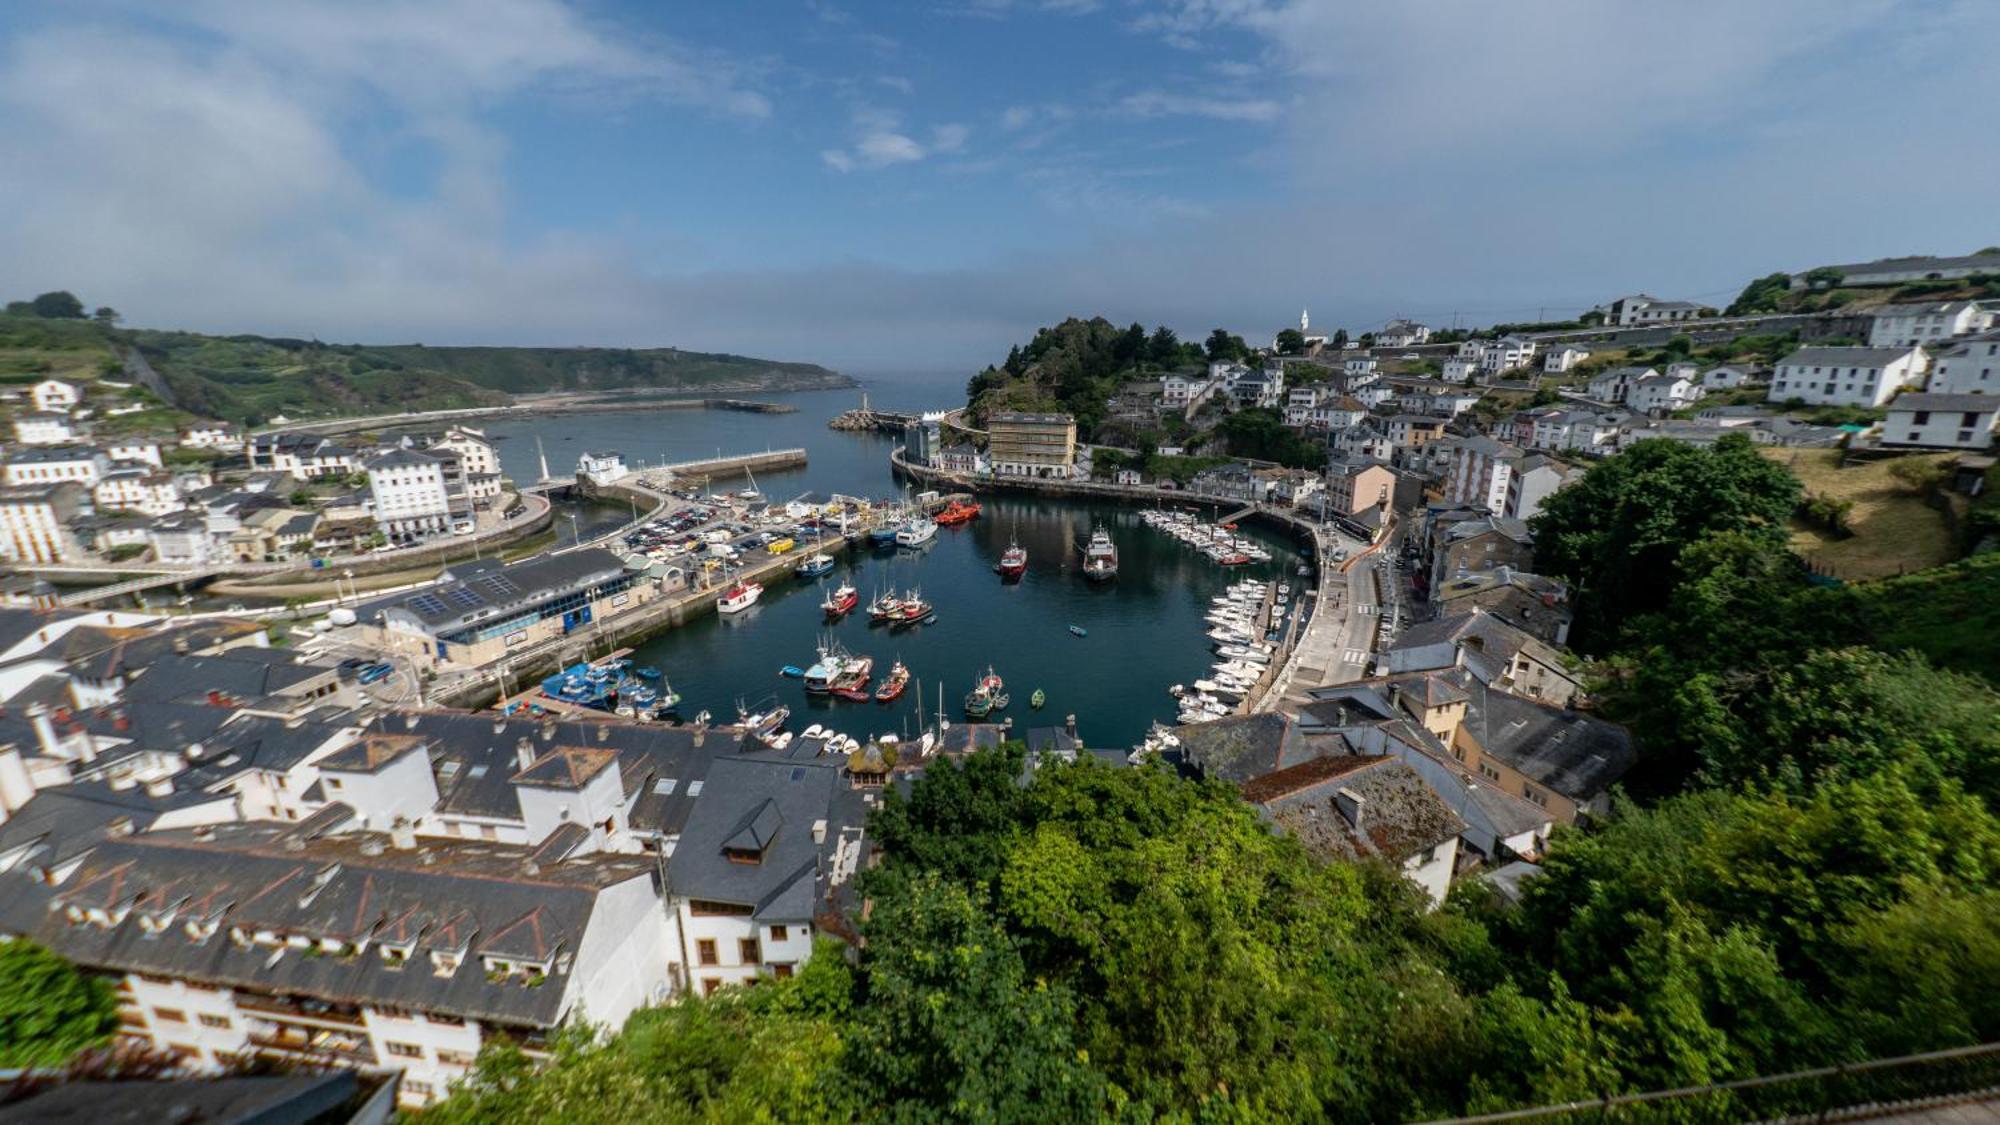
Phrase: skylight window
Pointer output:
(665, 786)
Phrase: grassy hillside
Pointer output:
(251, 379)
(1951, 614)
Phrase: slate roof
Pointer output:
(566, 767)
(1843, 357)
(445, 894)
(246, 674)
(1572, 753)
(467, 593)
(750, 799)
(1399, 814)
(1246, 746)
(1983, 404)
(1920, 262)
(371, 753)
(57, 825)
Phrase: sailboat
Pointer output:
(751, 494)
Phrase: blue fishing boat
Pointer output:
(884, 535)
(1079, 631)
(647, 673)
(814, 566)
(791, 671)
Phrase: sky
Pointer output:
(882, 185)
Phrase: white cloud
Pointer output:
(1159, 103)
(881, 141)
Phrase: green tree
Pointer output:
(58, 305)
(1918, 474)
(106, 316)
(1291, 341)
(1164, 347)
(1761, 295)
(1616, 532)
(1340, 338)
(954, 1028)
(1222, 346)
(48, 1010)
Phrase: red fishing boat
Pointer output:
(1013, 561)
(899, 678)
(957, 513)
(841, 600)
(913, 610)
(855, 693)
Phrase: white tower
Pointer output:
(1305, 320)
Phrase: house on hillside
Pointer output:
(1935, 421)
(1643, 309)
(1847, 376)
(1560, 358)
(1970, 366)
(1926, 323)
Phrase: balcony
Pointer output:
(313, 1043)
(273, 1007)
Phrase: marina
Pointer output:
(1135, 635)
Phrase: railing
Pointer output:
(1850, 1092)
(282, 1010)
(319, 1045)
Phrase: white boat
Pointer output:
(739, 597)
(1255, 655)
(917, 532)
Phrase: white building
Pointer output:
(1662, 394)
(1895, 271)
(475, 452)
(1615, 384)
(136, 488)
(1941, 421)
(1362, 364)
(44, 428)
(1643, 308)
(53, 464)
(1926, 323)
(1967, 367)
(602, 468)
(1561, 357)
(1506, 354)
(136, 451)
(181, 539)
(1459, 369)
(56, 395)
(1847, 376)
(410, 495)
(1402, 334)
(35, 522)
(1728, 377)
(1586, 431)
(210, 435)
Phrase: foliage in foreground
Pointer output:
(48, 1010)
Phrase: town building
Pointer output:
(1662, 394)
(1561, 358)
(1927, 323)
(1898, 271)
(44, 428)
(135, 488)
(37, 521)
(1473, 540)
(210, 435)
(1535, 603)
(413, 497)
(1970, 366)
(1641, 309)
(1614, 385)
(1847, 376)
(301, 456)
(602, 469)
(1504, 657)
(55, 396)
(478, 612)
(1031, 445)
(54, 464)
(1941, 421)
(1353, 807)
(1402, 334)
(1729, 376)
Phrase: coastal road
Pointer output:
(1341, 646)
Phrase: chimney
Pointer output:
(371, 846)
(404, 837)
(500, 725)
(603, 732)
(1351, 806)
(548, 730)
(410, 721)
(1069, 725)
(121, 721)
(819, 831)
(180, 644)
(524, 752)
(45, 731)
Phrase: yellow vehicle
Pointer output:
(711, 564)
(780, 546)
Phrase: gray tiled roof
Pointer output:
(746, 799)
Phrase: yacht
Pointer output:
(917, 532)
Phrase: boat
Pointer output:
(792, 672)
(740, 597)
(978, 702)
(912, 610)
(854, 693)
(1078, 631)
(917, 532)
(667, 701)
(1036, 700)
(885, 607)
(842, 599)
(820, 676)
(1013, 561)
(750, 494)
(647, 673)
(893, 684)
(1100, 558)
(853, 675)
(814, 565)
(884, 534)
(957, 512)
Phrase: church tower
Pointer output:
(1305, 321)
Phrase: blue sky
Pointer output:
(911, 185)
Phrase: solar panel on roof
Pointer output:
(464, 598)
(426, 603)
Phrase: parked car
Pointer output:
(375, 672)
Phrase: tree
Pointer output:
(1617, 532)
(1291, 341)
(1824, 277)
(1761, 295)
(58, 305)
(48, 1010)
(106, 316)
(1222, 346)
(1340, 338)
(1164, 347)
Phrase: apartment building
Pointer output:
(1031, 445)
(1847, 376)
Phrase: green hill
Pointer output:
(251, 379)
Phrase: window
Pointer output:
(169, 1015)
(417, 1089)
(215, 1021)
(404, 1050)
(781, 971)
(709, 986)
(749, 951)
(1923, 418)
(778, 933)
(454, 1058)
(704, 951)
(1535, 795)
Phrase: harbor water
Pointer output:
(1144, 631)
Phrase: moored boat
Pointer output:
(739, 597)
(1013, 561)
(958, 512)
(841, 600)
(917, 532)
(1100, 557)
(893, 684)
(814, 565)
